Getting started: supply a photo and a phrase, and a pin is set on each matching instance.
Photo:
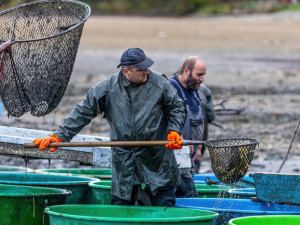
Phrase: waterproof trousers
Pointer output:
(163, 197)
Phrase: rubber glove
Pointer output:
(175, 140)
(44, 142)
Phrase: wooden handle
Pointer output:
(112, 143)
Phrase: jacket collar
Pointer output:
(124, 81)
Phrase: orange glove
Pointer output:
(175, 140)
(44, 142)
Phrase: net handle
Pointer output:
(113, 143)
(6, 45)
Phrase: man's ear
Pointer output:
(124, 70)
(186, 71)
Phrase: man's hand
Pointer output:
(191, 149)
(175, 140)
(44, 142)
(198, 154)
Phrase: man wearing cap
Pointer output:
(139, 104)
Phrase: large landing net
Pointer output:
(231, 158)
(39, 43)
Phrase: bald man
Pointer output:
(187, 82)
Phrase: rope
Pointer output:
(290, 147)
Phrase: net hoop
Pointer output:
(212, 143)
(231, 158)
(88, 13)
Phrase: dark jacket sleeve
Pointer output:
(83, 112)
(210, 105)
(174, 107)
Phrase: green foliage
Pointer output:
(176, 7)
(293, 7)
(215, 9)
(146, 7)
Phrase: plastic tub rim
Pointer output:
(45, 183)
(239, 191)
(207, 191)
(215, 190)
(83, 181)
(93, 184)
(26, 169)
(58, 192)
(72, 172)
(70, 169)
(213, 215)
(240, 211)
(66, 174)
(231, 222)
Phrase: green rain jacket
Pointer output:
(135, 112)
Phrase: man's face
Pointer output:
(195, 77)
(136, 75)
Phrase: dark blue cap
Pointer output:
(135, 57)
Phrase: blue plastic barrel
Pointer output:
(233, 208)
(245, 182)
(202, 177)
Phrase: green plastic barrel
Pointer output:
(266, 220)
(210, 191)
(116, 215)
(81, 192)
(101, 192)
(25, 204)
(100, 173)
(15, 169)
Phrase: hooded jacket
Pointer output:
(135, 112)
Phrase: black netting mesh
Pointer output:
(1, 2)
(231, 158)
(47, 35)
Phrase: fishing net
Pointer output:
(1, 2)
(231, 158)
(37, 64)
